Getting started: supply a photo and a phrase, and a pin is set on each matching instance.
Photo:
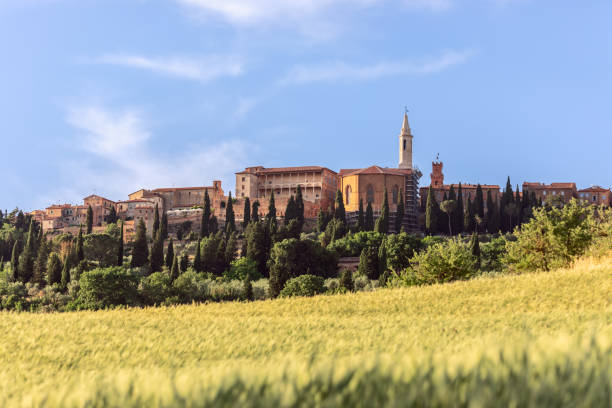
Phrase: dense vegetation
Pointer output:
(92, 271)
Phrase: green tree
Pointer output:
(170, 254)
(197, 260)
(368, 263)
(322, 220)
(382, 256)
(174, 271)
(369, 218)
(468, 216)
(140, 250)
(340, 212)
(89, 219)
(231, 248)
(213, 225)
(346, 280)
(258, 245)
(479, 202)
(40, 265)
(15, 260)
(290, 211)
(101, 248)
(360, 217)
(431, 213)
(205, 224)
(248, 288)
(382, 223)
(79, 245)
(299, 207)
(120, 247)
(255, 211)
(65, 279)
(112, 218)
(156, 257)
(164, 226)
(54, 269)
(271, 216)
(156, 223)
(458, 213)
(475, 249)
(230, 218)
(492, 214)
(184, 262)
(399, 215)
(247, 213)
(448, 207)
(26, 258)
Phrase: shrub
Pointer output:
(363, 284)
(240, 268)
(304, 285)
(261, 289)
(492, 254)
(191, 286)
(368, 263)
(291, 258)
(226, 291)
(332, 285)
(400, 248)
(156, 288)
(106, 287)
(346, 280)
(552, 238)
(442, 262)
(353, 244)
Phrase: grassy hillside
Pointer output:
(529, 339)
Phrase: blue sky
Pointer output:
(109, 96)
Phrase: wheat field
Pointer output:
(539, 339)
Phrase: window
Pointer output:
(347, 195)
(243, 179)
(594, 198)
(563, 193)
(543, 192)
(395, 194)
(554, 193)
(370, 194)
(404, 144)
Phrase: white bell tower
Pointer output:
(405, 145)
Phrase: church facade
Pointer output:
(369, 184)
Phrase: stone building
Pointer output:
(101, 207)
(181, 197)
(595, 195)
(368, 184)
(549, 193)
(318, 184)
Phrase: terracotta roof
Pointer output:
(60, 206)
(258, 170)
(95, 195)
(376, 170)
(135, 201)
(594, 189)
(549, 186)
(169, 189)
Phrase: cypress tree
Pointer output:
(230, 219)
(15, 260)
(458, 214)
(322, 220)
(155, 220)
(290, 211)
(40, 265)
(360, 217)
(213, 225)
(54, 269)
(299, 206)
(475, 249)
(468, 216)
(255, 211)
(65, 279)
(112, 218)
(507, 198)
(248, 288)
(79, 245)
(431, 213)
(26, 265)
(368, 262)
(140, 250)
(174, 271)
(369, 218)
(382, 257)
(247, 213)
(89, 219)
(120, 246)
(184, 263)
(479, 202)
(205, 225)
(340, 212)
(156, 258)
(382, 223)
(492, 215)
(519, 206)
(230, 249)
(258, 245)
(164, 226)
(170, 254)
(197, 260)
(346, 280)
(399, 214)
(271, 217)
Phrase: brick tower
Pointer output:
(437, 177)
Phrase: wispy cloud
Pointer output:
(253, 12)
(201, 69)
(333, 71)
(121, 160)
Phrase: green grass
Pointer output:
(533, 339)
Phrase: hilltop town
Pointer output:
(183, 206)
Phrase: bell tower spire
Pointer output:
(405, 144)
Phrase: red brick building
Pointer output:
(548, 193)
(595, 195)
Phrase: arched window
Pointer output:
(370, 194)
(404, 144)
(347, 194)
(395, 193)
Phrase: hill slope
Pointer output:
(424, 345)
